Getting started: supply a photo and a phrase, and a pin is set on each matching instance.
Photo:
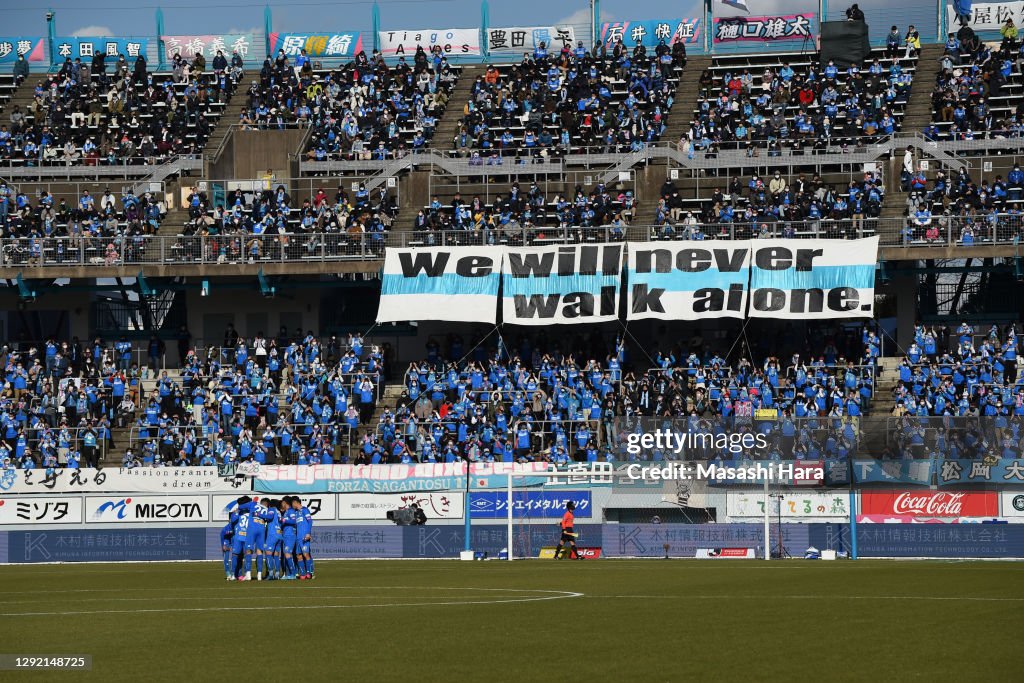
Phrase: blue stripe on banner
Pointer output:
(449, 284)
(557, 284)
(821, 277)
(681, 281)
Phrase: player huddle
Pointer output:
(276, 534)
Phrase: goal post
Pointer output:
(535, 502)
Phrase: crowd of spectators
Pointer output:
(106, 226)
(972, 98)
(95, 114)
(795, 105)
(958, 373)
(271, 224)
(296, 399)
(613, 100)
(527, 215)
(773, 207)
(363, 110)
(577, 400)
(956, 208)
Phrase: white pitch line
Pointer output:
(805, 597)
(557, 595)
(219, 586)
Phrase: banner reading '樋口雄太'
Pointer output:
(769, 28)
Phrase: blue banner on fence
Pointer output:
(317, 44)
(651, 32)
(525, 504)
(107, 545)
(916, 472)
(528, 539)
(12, 47)
(683, 540)
(957, 472)
(940, 540)
(85, 48)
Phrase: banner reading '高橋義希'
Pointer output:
(440, 283)
(561, 285)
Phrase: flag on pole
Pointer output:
(737, 4)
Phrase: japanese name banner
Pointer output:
(317, 44)
(561, 285)
(452, 41)
(440, 283)
(13, 47)
(651, 32)
(676, 281)
(144, 479)
(208, 45)
(813, 279)
(772, 28)
(1004, 471)
(40, 510)
(518, 39)
(85, 48)
(989, 16)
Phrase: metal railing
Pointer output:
(247, 248)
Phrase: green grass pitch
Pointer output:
(614, 620)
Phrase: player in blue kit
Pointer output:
(240, 544)
(303, 538)
(226, 534)
(257, 535)
(274, 543)
(289, 525)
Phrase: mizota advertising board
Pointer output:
(134, 509)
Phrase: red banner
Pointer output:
(930, 503)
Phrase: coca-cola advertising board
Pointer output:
(946, 504)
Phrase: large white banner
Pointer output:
(321, 506)
(988, 16)
(458, 284)
(40, 510)
(131, 509)
(813, 279)
(435, 504)
(453, 41)
(567, 284)
(795, 505)
(680, 281)
(142, 479)
(519, 39)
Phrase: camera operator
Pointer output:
(855, 14)
(419, 518)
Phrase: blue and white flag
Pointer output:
(458, 284)
(688, 280)
(737, 4)
(813, 279)
(561, 285)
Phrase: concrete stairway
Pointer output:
(679, 119)
(448, 126)
(918, 113)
